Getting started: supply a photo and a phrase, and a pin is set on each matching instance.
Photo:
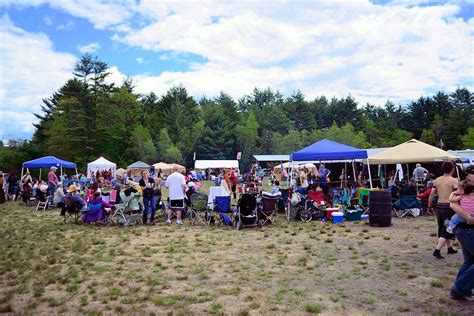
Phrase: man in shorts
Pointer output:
(443, 185)
(176, 184)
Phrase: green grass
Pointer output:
(314, 308)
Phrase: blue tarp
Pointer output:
(47, 162)
(328, 150)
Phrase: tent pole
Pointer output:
(77, 174)
(408, 171)
(290, 177)
(370, 175)
(457, 170)
(40, 175)
(354, 171)
(62, 177)
(21, 178)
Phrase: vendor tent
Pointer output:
(412, 151)
(328, 150)
(120, 172)
(101, 164)
(216, 164)
(162, 166)
(325, 150)
(179, 167)
(139, 165)
(48, 162)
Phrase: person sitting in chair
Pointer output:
(74, 198)
(58, 197)
(98, 209)
(408, 187)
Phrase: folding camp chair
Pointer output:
(268, 207)
(43, 204)
(407, 205)
(339, 197)
(199, 210)
(113, 197)
(223, 208)
(71, 210)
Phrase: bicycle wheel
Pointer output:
(305, 215)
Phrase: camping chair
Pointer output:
(89, 195)
(407, 204)
(339, 197)
(113, 197)
(71, 210)
(199, 212)
(128, 213)
(223, 208)
(42, 201)
(247, 214)
(268, 207)
(93, 214)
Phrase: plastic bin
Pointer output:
(337, 217)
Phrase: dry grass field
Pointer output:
(48, 267)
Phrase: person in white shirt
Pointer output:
(176, 184)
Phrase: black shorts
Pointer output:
(177, 204)
(443, 213)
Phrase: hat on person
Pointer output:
(191, 184)
(72, 188)
(53, 168)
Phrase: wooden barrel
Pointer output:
(380, 208)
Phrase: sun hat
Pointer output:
(72, 188)
(53, 168)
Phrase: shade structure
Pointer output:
(139, 165)
(179, 167)
(328, 150)
(162, 166)
(101, 164)
(47, 162)
(411, 151)
(120, 172)
(216, 164)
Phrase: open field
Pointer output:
(48, 267)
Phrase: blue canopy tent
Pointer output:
(329, 150)
(48, 162)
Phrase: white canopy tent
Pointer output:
(101, 164)
(216, 164)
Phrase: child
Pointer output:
(276, 187)
(465, 196)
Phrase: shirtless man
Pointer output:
(443, 185)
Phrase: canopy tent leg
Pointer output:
(40, 175)
(290, 186)
(457, 170)
(354, 171)
(408, 171)
(21, 178)
(370, 175)
(77, 174)
(62, 177)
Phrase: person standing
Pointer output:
(177, 190)
(323, 183)
(2, 191)
(52, 180)
(464, 283)
(443, 185)
(420, 173)
(234, 179)
(149, 199)
(12, 186)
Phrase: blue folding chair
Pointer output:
(407, 204)
(222, 206)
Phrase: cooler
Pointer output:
(354, 215)
(337, 217)
(331, 210)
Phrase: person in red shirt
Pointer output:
(424, 196)
(52, 180)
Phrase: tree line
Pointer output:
(89, 117)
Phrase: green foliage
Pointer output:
(142, 145)
(468, 139)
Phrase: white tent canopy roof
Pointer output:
(213, 164)
(101, 164)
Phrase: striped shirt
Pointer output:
(467, 203)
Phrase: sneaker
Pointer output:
(178, 222)
(168, 221)
(459, 297)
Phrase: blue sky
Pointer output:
(378, 50)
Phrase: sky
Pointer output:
(373, 50)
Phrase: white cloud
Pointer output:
(373, 52)
(47, 20)
(30, 70)
(140, 60)
(89, 48)
(65, 27)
